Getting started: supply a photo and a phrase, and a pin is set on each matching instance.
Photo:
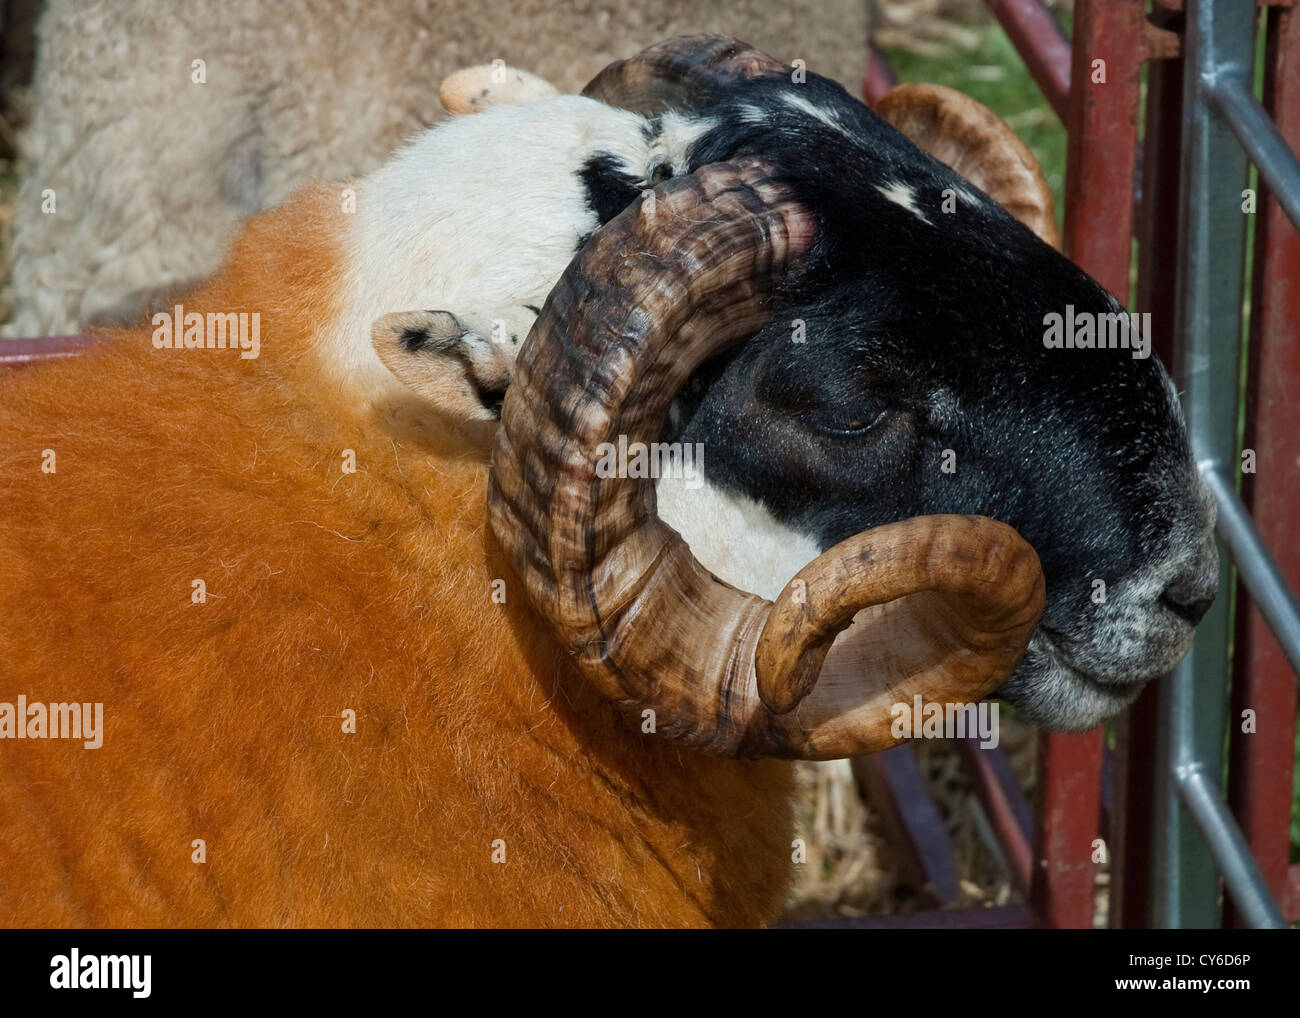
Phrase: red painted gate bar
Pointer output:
(1101, 155)
(1037, 37)
(1260, 764)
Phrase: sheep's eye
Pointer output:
(850, 420)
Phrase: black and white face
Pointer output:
(907, 373)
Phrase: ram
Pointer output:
(313, 691)
(326, 700)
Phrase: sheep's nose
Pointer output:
(1189, 599)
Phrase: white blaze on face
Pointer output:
(735, 538)
(900, 194)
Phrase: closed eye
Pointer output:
(849, 420)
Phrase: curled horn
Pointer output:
(970, 138)
(684, 73)
(939, 606)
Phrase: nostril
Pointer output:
(1186, 604)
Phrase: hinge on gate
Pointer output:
(1162, 31)
(1159, 43)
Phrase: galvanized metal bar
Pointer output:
(1231, 96)
(1255, 564)
(1218, 39)
(1260, 768)
(1229, 849)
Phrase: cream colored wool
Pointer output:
(150, 172)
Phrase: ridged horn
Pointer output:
(970, 138)
(686, 73)
(939, 606)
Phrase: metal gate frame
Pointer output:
(1179, 195)
(1223, 125)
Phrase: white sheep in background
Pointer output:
(150, 170)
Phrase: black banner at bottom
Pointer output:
(90, 970)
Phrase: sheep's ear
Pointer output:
(445, 362)
(969, 137)
(476, 89)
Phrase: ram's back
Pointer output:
(483, 784)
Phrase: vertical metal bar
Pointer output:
(1260, 762)
(1130, 838)
(1217, 41)
(1069, 775)
(1102, 153)
(1105, 87)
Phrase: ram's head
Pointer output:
(898, 372)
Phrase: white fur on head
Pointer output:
(478, 213)
(734, 537)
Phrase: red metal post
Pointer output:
(1004, 804)
(1260, 762)
(1102, 148)
(1157, 238)
(1105, 83)
(1037, 37)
